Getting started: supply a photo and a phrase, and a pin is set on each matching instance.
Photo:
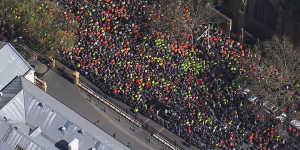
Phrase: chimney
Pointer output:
(74, 145)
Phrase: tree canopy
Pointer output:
(43, 25)
(278, 65)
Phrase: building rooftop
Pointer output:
(33, 120)
(12, 64)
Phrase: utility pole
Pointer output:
(208, 37)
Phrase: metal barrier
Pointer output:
(112, 106)
(163, 140)
(155, 133)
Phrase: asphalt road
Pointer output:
(102, 116)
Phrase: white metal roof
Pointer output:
(11, 64)
(30, 108)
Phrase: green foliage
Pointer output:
(42, 24)
(23, 52)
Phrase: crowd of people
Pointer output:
(191, 80)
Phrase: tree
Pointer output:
(279, 71)
(41, 23)
(174, 17)
(204, 13)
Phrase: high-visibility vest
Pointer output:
(187, 123)
(277, 138)
(199, 114)
(136, 110)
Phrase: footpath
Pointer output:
(158, 132)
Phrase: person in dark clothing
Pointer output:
(192, 81)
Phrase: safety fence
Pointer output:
(109, 104)
(162, 138)
(172, 144)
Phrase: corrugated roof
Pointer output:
(2, 44)
(5, 147)
(12, 64)
(14, 110)
(31, 108)
(10, 91)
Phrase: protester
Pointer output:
(192, 80)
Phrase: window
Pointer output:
(40, 104)
(80, 131)
(18, 147)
